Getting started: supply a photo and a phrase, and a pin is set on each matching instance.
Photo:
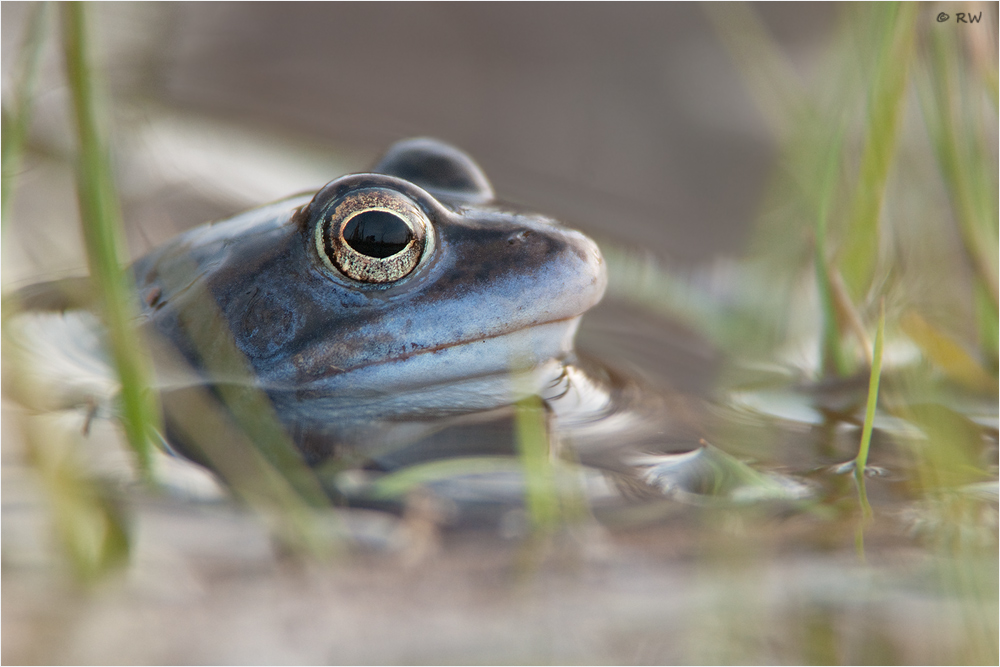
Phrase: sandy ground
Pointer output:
(207, 584)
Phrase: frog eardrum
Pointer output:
(373, 235)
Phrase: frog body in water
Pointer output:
(397, 296)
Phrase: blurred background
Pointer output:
(632, 124)
(631, 121)
(640, 124)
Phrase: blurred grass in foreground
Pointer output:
(263, 469)
(16, 119)
(89, 522)
(886, 193)
(861, 461)
(857, 209)
(103, 235)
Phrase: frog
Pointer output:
(386, 303)
(398, 316)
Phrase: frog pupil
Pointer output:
(377, 233)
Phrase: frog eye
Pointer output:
(374, 235)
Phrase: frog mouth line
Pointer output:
(439, 348)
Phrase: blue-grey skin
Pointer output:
(342, 360)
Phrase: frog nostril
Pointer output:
(153, 297)
(518, 237)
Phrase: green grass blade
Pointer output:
(102, 232)
(956, 125)
(541, 491)
(861, 462)
(90, 525)
(771, 79)
(989, 329)
(250, 407)
(399, 483)
(887, 93)
(946, 354)
(15, 121)
(232, 425)
(832, 355)
(209, 427)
